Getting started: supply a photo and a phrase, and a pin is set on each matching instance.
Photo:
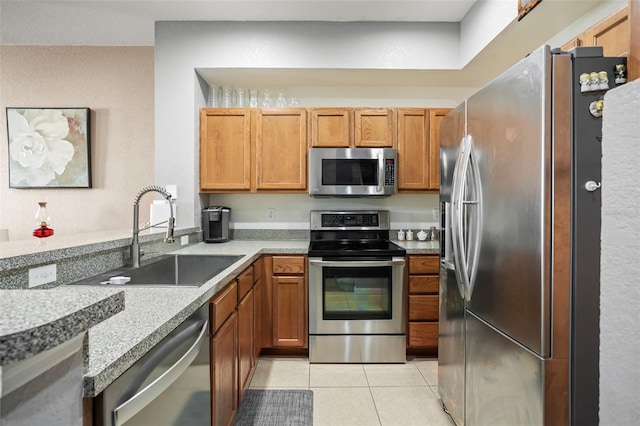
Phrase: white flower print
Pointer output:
(37, 145)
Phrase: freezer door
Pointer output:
(504, 379)
(451, 326)
(451, 329)
(509, 122)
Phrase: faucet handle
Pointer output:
(170, 225)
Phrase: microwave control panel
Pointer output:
(389, 172)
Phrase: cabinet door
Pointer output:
(331, 127)
(224, 381)
(612, 34)
(225, 149)
(435, 118)
(281, 149)
(413, 149)
(289, 311)
(374, 128)
(245, 342)
(257, 318)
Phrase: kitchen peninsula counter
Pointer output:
(35, 321)
(150, 313)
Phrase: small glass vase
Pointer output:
(42, 219)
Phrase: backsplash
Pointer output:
(249, 212)
(75, 263)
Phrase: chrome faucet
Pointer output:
(135, 245)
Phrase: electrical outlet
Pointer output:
(184, 240)
(271, 213)
(42, 275)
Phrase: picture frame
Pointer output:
(525, 6)
(49, 147)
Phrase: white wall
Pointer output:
(116, 83)
(620, 292)
(249, 211)
(183, 47)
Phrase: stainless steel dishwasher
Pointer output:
(170, 385)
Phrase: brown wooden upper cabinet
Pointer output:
(374, 128)
(249, 150)
(330, 128)
(352, 127)
(225, 149)
(612, 33)
(281, 149)
(419, 148)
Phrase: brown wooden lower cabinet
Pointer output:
(284, 304)
(224, 376)
(289, 313)
(423, 304)
(245, 342)
(423, 334)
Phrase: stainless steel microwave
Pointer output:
(352, 172)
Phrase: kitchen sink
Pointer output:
(172, 270)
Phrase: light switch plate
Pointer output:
(184, 240)
(42, 275)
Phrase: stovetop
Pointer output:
(354, 248)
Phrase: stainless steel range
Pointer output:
(356, 289)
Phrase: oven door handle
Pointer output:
(357, 263)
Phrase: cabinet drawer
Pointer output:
(288, 265)
(423, 308)
(424, 284)
(223, 305)
(423, 334)
(245, 282)
(424, 264)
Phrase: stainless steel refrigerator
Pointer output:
(520, 274)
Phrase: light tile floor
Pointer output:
(360, 394)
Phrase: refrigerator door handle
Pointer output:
(467, 254)
(457, 222)
(475, 231)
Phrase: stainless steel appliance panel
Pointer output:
(317, 298)
(451, 326)
(169, 385)
(357, 348)
(451, 335)
(504, 379)
(352, 172)
(509, 122)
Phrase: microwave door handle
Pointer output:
(358, 263)
(380, 173)
(127, 409)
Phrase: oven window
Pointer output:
(356, 293)
(350, 172)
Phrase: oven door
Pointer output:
(356, 296)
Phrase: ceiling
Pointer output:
(131, 22)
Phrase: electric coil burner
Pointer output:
(356, 289)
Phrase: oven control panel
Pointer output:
(346, 220)
(331, 220)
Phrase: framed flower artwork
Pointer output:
(525, 6)
(49, 147)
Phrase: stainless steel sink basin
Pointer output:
(173, 270)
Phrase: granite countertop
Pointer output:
(47, 318)
(420, 247)
(150, 313)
